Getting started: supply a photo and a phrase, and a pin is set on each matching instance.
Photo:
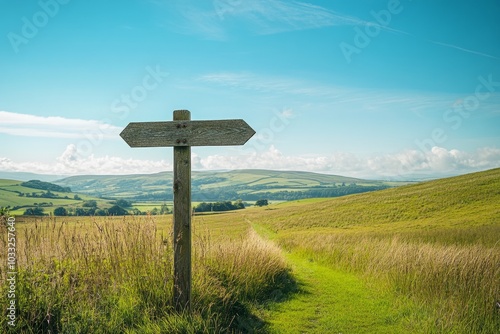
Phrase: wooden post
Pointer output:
(182, 220)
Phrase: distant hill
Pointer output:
(23, 176)
(249, 185)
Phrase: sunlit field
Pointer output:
(114, 275)
(437, 243)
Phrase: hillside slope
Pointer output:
(435, 246)
(467, 200)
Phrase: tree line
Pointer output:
(226, 205)
(90, 208)
(222, 194)
(287, 195)
(219, 206)
(37, 184)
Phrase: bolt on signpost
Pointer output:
(182, 133)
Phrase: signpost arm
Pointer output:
(182, 220)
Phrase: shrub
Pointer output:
(60, 211)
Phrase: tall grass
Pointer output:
(252, 270)
(458, 283)
(107, 275)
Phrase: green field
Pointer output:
(421, 258)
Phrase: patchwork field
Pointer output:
(209, 186)
(10, 191)
(421, 258)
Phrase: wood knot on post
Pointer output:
(177, 184)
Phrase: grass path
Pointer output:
(331, 301)
(334, 301)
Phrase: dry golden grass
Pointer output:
(111, 275)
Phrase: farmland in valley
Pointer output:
(248, 185)
(149, 192)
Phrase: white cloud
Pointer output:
(70, 162)
(438, 161)
(272, 158)
(27, 125)
(403, 165)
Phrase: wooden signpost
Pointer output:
(182, 133)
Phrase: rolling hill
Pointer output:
(227, 185)
(460, 201)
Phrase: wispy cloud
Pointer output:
(346, 98)
(365, 100)
(276, 16)
(28, 125)
(464, 49)
(263, 17)
(266, 83)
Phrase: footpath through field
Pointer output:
(333, 301)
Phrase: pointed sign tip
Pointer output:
(187, 133)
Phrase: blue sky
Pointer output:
(361, 88)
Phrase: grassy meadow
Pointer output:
(435, 244)
(421, 258)
(114, 275)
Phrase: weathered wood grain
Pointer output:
(182, 222)
(187, 133)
